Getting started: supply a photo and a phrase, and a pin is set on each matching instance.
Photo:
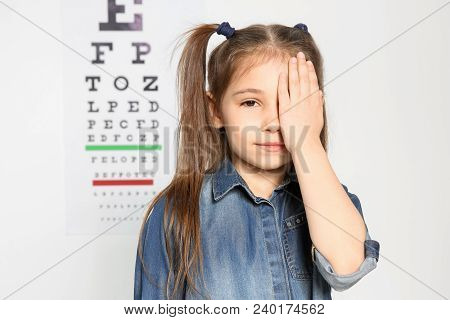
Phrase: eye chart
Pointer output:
(120, 111)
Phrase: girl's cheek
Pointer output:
(238, 140)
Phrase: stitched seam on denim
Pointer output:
(266, 252)
(279, 233)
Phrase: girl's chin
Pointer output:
(270, 162)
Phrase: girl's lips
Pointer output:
(272, 146)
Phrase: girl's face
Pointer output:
(249, 113)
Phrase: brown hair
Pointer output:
(201, 147)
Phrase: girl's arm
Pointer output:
(344, 249)
(151, 284)
(336, 227)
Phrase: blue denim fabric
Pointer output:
(253, 248)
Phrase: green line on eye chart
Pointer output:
(123, 147)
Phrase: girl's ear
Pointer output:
(216, 117)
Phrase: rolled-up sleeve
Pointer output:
(371, 252)
(150, 281)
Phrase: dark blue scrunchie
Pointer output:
(225, 29)
(301, 26)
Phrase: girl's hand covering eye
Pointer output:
(300, 104)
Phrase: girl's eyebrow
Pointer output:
(248, 90)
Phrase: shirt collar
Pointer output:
(226, 178)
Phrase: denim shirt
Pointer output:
(253, 248)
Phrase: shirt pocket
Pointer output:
(297, 246)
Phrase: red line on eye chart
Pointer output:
(142, 182)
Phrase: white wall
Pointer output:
(388, 120)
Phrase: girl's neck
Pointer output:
(261, 182)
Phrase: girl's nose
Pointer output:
(271, 122)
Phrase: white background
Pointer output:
(388, 128)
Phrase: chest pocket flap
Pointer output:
(296, 244)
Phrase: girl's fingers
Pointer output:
(283, 94)
(304, 77)
(294, 82)
(314, 83)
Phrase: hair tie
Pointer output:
(225, 29)
(301, 26)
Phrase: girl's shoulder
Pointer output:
(154, 219)
(157, 211)
(207, 183)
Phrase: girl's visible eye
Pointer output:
(246, 103)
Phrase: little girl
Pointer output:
(254, 210)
